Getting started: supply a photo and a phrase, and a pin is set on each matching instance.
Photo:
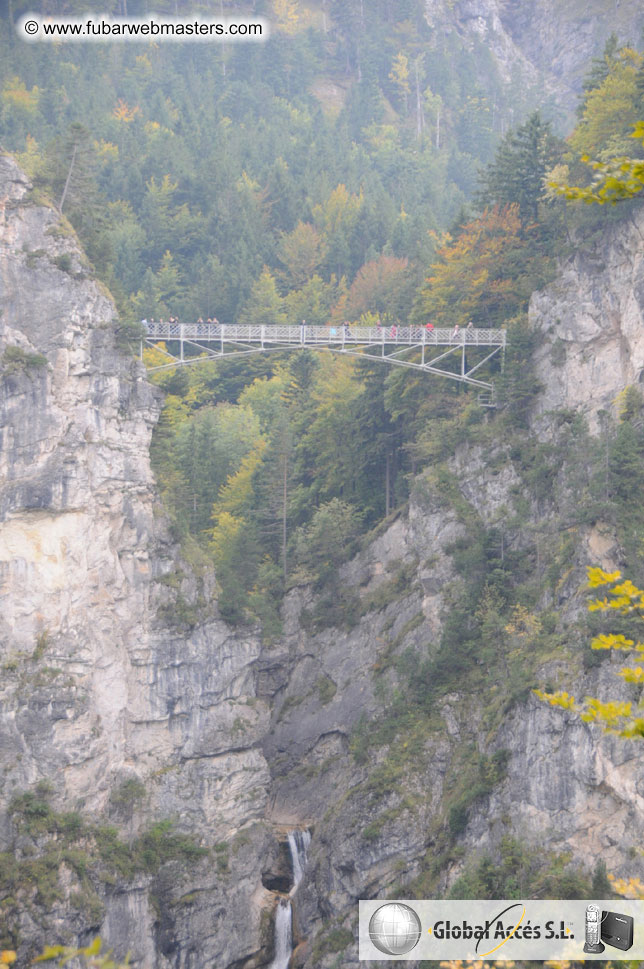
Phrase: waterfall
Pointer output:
(283, 935)
(298, 842)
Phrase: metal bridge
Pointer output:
(415, 347)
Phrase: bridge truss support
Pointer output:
(415, 348)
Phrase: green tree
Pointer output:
(19, 106)
(126, 238)
(272, 513)
(326, 452)
(69, 174)
(161, 290)
(157, 211)
(399, 76)
(600, 68)
(610, 110)
(516, 174)
(264, 305)
(337, 219)
(209, 447)
(433, 105)
(518, 385)
(379, 459)
(283, 197)
(312, 302)
(234, 543)
(273, 510)
(328, 540)
(210, 291)
(300, 252)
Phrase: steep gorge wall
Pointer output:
(548, 43)
(383, 822)
(103, 681)
(591, 320)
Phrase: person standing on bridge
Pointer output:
(303, 331)
(455, 332)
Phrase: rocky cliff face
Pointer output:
(136, 712)
(381, 823)
(102, 682)
(544, 42)
(592, 323)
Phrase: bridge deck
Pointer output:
(414, 347)
(325, 335)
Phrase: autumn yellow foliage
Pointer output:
(620, 177)
(621, 597)
(89, 956)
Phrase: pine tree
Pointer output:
(610, 110)
(600, 68)
(70, 174)
(516, 174)
(265, 306)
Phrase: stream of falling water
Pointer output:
(283, 935)
(298, 842)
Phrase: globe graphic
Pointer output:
(394, 929)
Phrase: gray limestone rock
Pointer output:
(96, 686)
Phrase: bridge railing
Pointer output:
(324, 335)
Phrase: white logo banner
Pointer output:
(505, 929)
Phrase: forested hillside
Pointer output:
(346, 169)
(209, 179)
